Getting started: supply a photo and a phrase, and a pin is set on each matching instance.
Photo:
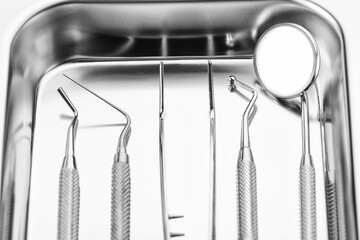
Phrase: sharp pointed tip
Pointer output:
(62, 93)
(175, 216)
(172, 235)
(67, 100)
(68, 77)
(60, 90)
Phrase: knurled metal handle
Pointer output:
(331, 207)
(247, 196)
(120, 201)
(307, 195)
(69, 205)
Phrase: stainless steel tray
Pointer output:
(115, 48)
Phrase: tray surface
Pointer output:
(134, 86)
(115, 50)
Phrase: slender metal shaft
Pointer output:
(125, 134)
(70, 143)
(233, 88)
(305, 124)
(164, 206)
(166, 217)
(69, 187)
(245, 136)
(120, 178)
(307, 183)
(246, 173)
(212, 197)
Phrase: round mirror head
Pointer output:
(286, 60)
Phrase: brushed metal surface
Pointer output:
(120, 201)
(96, 35)
(247, 197)
(69, 205)
(307, 196)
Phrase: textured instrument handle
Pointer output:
(331, 207)
(120, 201)
(69, 205)
(247, 196)
(307, 189)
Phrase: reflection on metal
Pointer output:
(164, 204)
(96, 32)
(120, 178)
(213, 163)
(307, 183)
(69, 183)
(246, 171)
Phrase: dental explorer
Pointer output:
(69, 187)
(246, 172)
(121, 181)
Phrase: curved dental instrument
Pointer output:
(69, 188)
(298, 47)
(246, 172)
(121, 182)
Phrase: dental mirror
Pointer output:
(287, 62)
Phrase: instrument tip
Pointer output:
(67, 100)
